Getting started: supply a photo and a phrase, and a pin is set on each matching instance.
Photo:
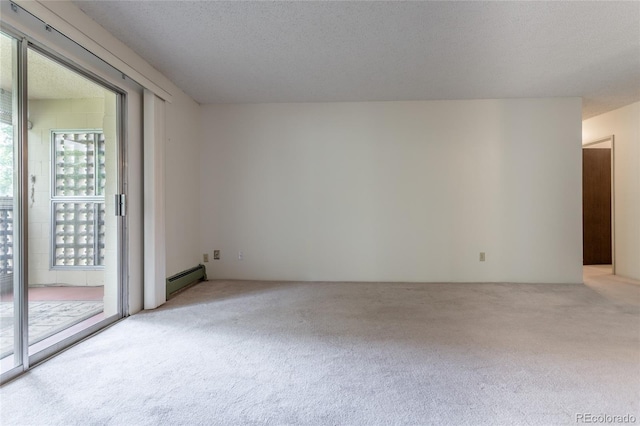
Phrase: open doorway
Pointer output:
(598, 206)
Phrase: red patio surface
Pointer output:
(53, 293)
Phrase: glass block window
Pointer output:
(77, 199)
(6, 236)
(6, 107)
(79, 164)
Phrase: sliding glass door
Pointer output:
(61, 179)
(72, 181)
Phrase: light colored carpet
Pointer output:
(245, 353)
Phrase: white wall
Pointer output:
(624, 124)
(394, 191)
(182, 181)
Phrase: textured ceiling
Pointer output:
(46, 78)
(220, 52)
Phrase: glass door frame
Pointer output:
(24, 361)
(20, 233)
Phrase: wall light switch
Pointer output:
(482, 256)
(205, 257)
(240, 255)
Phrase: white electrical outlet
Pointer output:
(482, 256)
(205, 257)
(240, 255)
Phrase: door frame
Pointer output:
(59, 55)
(613, 194)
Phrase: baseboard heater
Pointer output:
(184, 279)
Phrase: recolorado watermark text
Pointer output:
(590, 418)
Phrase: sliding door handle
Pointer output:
(121, 204)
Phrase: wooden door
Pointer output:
(596, 206)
